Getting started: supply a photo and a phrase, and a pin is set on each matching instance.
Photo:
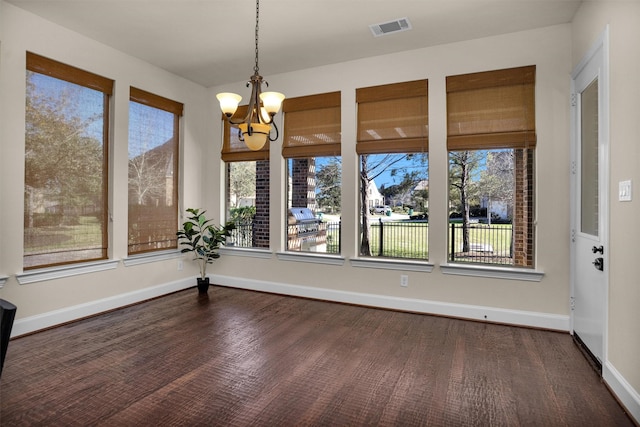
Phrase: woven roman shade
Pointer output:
(49, 67)
(312, 126)
(66, 170)
(234, 150)
(152, 100)
(393, 118)
(492, 109)
(153, 172)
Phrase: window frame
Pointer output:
(152, 100)
(511, 125)
(51, 68)
(234, 150)
(312, 130)
(408, 103)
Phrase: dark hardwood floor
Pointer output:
(239, 358)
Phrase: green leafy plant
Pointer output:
(200, 236)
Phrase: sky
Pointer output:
(388, 178)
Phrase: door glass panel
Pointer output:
(589, 160)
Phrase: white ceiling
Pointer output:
(211, 42)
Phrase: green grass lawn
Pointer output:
(401, 239)
(409, 239)
(87, 233)
(497, 236)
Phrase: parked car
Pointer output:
(381, 210)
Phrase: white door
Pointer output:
(590, 200)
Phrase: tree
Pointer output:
(462, 164)
(63, 158)
(497, 180)
(420, 198)
(328, 185)
(401, 193)
(242, 181)
(152, 144)
(147, 175)
(371, 167)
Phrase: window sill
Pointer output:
(247, 252)
(492, 272)
(392, 264)
(151, 257)
(43, 274)
(315, 258)
(3, 280)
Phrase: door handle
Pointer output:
(599, 263)
(600, 249)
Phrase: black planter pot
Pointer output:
(203, 285)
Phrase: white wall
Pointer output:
(623, 339)
(549, 49)
(50, 300)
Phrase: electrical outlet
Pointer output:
(404, 280)
(180, 265)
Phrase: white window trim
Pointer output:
(43, 274)
(315, 258)
(392, 264)
(151, 257)
(3, 280)
(246, 252)
(492, 272)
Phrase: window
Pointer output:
(65, 193)
(491, 142)
(247, 188)
(311, 145)
(153, 171)
(393, 145)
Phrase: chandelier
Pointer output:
(255, 128)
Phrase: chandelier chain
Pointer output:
(256, 68)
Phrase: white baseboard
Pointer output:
(491, 314)
(31, 324)
(626, 394)
(474, 312)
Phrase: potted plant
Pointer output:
(200, 236)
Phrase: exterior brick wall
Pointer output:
(261, 220)
(523, 232)
(303, 183)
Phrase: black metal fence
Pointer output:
(488, 244)
(333, 236)
(242, 235)
(399, 239)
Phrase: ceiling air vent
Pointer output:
(385, 28)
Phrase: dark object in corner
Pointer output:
(7, 314)
(203, 285)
